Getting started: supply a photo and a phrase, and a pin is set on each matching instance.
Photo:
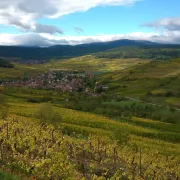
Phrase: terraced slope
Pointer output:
(91, 63)
(157, 81)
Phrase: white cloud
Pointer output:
(44, 39)
(166, 37)
(24, 14)
(41, 28)
(26, 24)
(170, 24)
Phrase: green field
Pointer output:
(20, 71)
(85, 63)
(130, 131)
(91, 63)
(149, 135)
(157, 81)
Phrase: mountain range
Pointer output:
(68, 51)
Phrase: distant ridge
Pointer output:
(66, 51)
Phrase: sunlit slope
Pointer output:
(92, 63)
(20, 71)
(144, 52)
(41, 151)
(158, 80)
(80, 137)
(88, 123)
(84, 63)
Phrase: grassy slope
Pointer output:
(133, 81)
(87, 63)
(143, 132)
(20, 71)
(91, 63)
(33, 127)
(157, 77)
(146, 133)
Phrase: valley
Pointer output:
(89, 90)
(95, 116)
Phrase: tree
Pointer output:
(122, 136)
(4, 110)
(2, 100)
(47, 115)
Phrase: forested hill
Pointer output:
(157, 52)
(5, 64)
(63, 51)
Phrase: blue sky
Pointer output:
(74, 21)
(117, 19)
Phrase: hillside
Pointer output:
(19, 72)
(144, 52)
(91, 63)
(86, 63)
(65, 51)
(156, 81)
(90, 118)
(89, 90)
(84, 145)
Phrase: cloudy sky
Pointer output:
(50, 22)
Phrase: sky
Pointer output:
(52, 22)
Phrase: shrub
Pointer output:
(4, 112)
(3, 108)
(168, 94)
(47, 115)
(38, 100)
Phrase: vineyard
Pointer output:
(77, 145)
(126, 132)
(45, 152)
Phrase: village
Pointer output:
(62, 80)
